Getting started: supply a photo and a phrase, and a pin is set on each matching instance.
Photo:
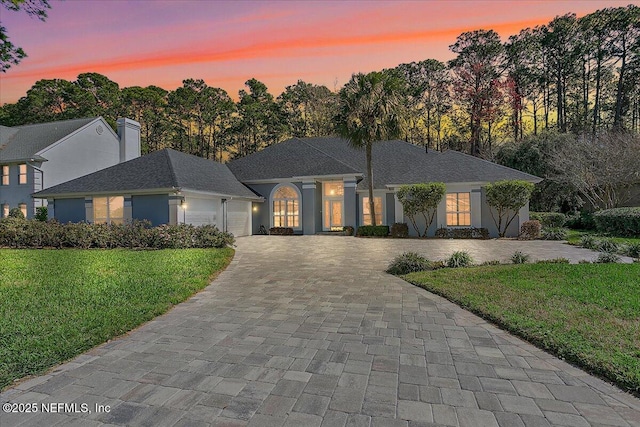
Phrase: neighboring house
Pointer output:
(35, 157)
(164, 187)
(319, 184)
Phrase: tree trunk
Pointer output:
(372, 210)
(617, 120)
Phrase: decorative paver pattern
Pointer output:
(309, 331)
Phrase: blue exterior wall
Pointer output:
(154, 208)
(15, 194)
(69, 210)
(260, 215)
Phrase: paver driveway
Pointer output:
(309, 331)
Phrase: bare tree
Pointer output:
(603, 168)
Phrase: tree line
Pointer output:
(572, 75)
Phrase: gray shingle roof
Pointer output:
(394, 162)
(164, 169)
(23, 142)
(293, 157)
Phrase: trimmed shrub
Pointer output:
(42, 213)
(16, 213)
(408, 262)
(400, 230)
(520, 257)
(554, 234)
(589, 242)
(606, 258)
(582, 221)
(507, 197)
(459, 259)
(348, 230)
(553, 261)
(373, 230)
(281, 231)
(632, 250)
(530, 230)
(607, 245)
(618, 221)
(462, 233)
(549, 219)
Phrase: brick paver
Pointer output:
(309, 331)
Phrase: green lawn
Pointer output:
(574, 236)
(588, 314)
(56, 304)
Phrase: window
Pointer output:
(23, 209)
(366, 213)
(22, 178)
(286, 207)
(5, 175)
(334, 188)
(5, 211)
(108, 209)
(459, 209)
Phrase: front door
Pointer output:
(335, 215)
(333, 201)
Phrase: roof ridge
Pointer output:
(87, 119)
(170, 164)
(327, 154)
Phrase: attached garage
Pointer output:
(238, 217)
(202, 211)
(164, 187)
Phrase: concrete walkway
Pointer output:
(309, 331)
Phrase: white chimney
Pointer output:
(129, 134)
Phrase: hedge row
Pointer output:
(373, 230)
(549, 219)
(20, 233)
(462, 233)
(618, 221)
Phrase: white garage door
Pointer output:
(239, 217)
(201, 211)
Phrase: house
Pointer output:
(36, 157)
(164, 187)
(319, 184)
(311, 185)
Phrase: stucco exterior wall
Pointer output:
(154, 208)
(15, 194)
(69, 210)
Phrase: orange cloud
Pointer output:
(296, 47)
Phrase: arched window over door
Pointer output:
(285, 204)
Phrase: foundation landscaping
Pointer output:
(57, 303)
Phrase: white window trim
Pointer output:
(273, 191)
(383, 196)
(446, 212)
(109, 219)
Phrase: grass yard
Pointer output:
(56, 304)
(588, 314)
(574, 236)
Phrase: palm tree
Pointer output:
(369, 112)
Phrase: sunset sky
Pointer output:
(152, 42)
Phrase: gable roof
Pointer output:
(394, 163)
(164, 170)
(21, 143)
